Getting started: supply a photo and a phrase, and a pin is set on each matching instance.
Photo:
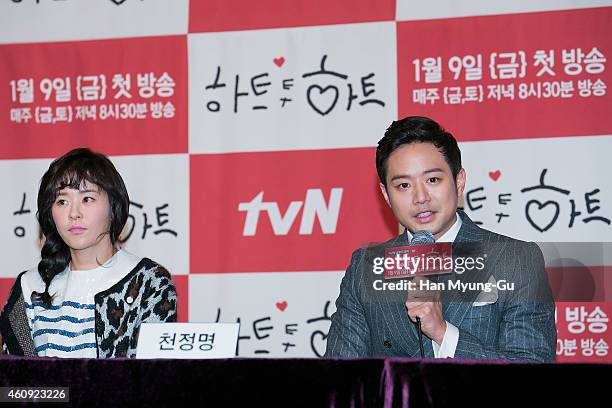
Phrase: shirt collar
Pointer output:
(449, 236)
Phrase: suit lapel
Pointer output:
(471, 241)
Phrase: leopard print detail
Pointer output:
(146, 295)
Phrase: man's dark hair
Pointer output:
(417, 129)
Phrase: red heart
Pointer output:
(495, 175)
(281, 305)
(279, 61)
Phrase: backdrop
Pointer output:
(245, 132)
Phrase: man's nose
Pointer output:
(421, 195)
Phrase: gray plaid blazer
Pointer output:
(516, 324)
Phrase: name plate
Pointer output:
(187, 340)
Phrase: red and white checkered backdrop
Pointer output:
(245, 131)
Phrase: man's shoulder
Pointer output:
(471, 232)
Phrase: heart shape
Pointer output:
(282, 305)
(540, 207)
(329, 100)
(494, 175)
(279, 61)
(322, 342)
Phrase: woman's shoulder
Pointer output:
(31, 279)
(151, 267)
(144, 265)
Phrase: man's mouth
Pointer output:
(425, 216)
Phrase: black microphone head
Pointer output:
(422, 237)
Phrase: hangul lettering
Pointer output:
(187, 340)
(601, 348)
(146, 83)
(586, 346)
(419, 96)
(44, 114)
(215, 106)
(452, 95)
(594, 61)
(23, 90)
(546, 60)
(494, 92)
(206, 341)
(508, 91)
(86, 112)
(259, 88)
(167, 339)
(597, 320)
(567, 89)
(566, 347)
(63, 114)
(432, 68)
(599, 88)
(472, 94)
(424, 95)
(507, 65)
(61, 86)
(169, 110)
(124, 84)
(91, 87)
(530, 89)
(141, 111)
(156, 109)
(20, 115)
(432, 95)
(585, 88)
(572, 60)
(575, 316)
(165, 85)
(470, 63)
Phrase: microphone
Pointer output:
(420, 238)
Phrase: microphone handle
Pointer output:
(418, 320)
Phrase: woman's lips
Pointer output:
(425, 217)
(77, 230)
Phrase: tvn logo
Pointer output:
(313, 206)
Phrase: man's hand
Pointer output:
(425, 304)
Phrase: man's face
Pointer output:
(421, 190)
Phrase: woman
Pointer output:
(87, 297)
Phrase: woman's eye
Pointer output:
(60, 202)
(89, 199)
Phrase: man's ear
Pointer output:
(383, 190)
(460, 182)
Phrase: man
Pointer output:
(421, 178)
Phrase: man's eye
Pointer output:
(433, 180)
(403, 185)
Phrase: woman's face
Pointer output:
(82, 218)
